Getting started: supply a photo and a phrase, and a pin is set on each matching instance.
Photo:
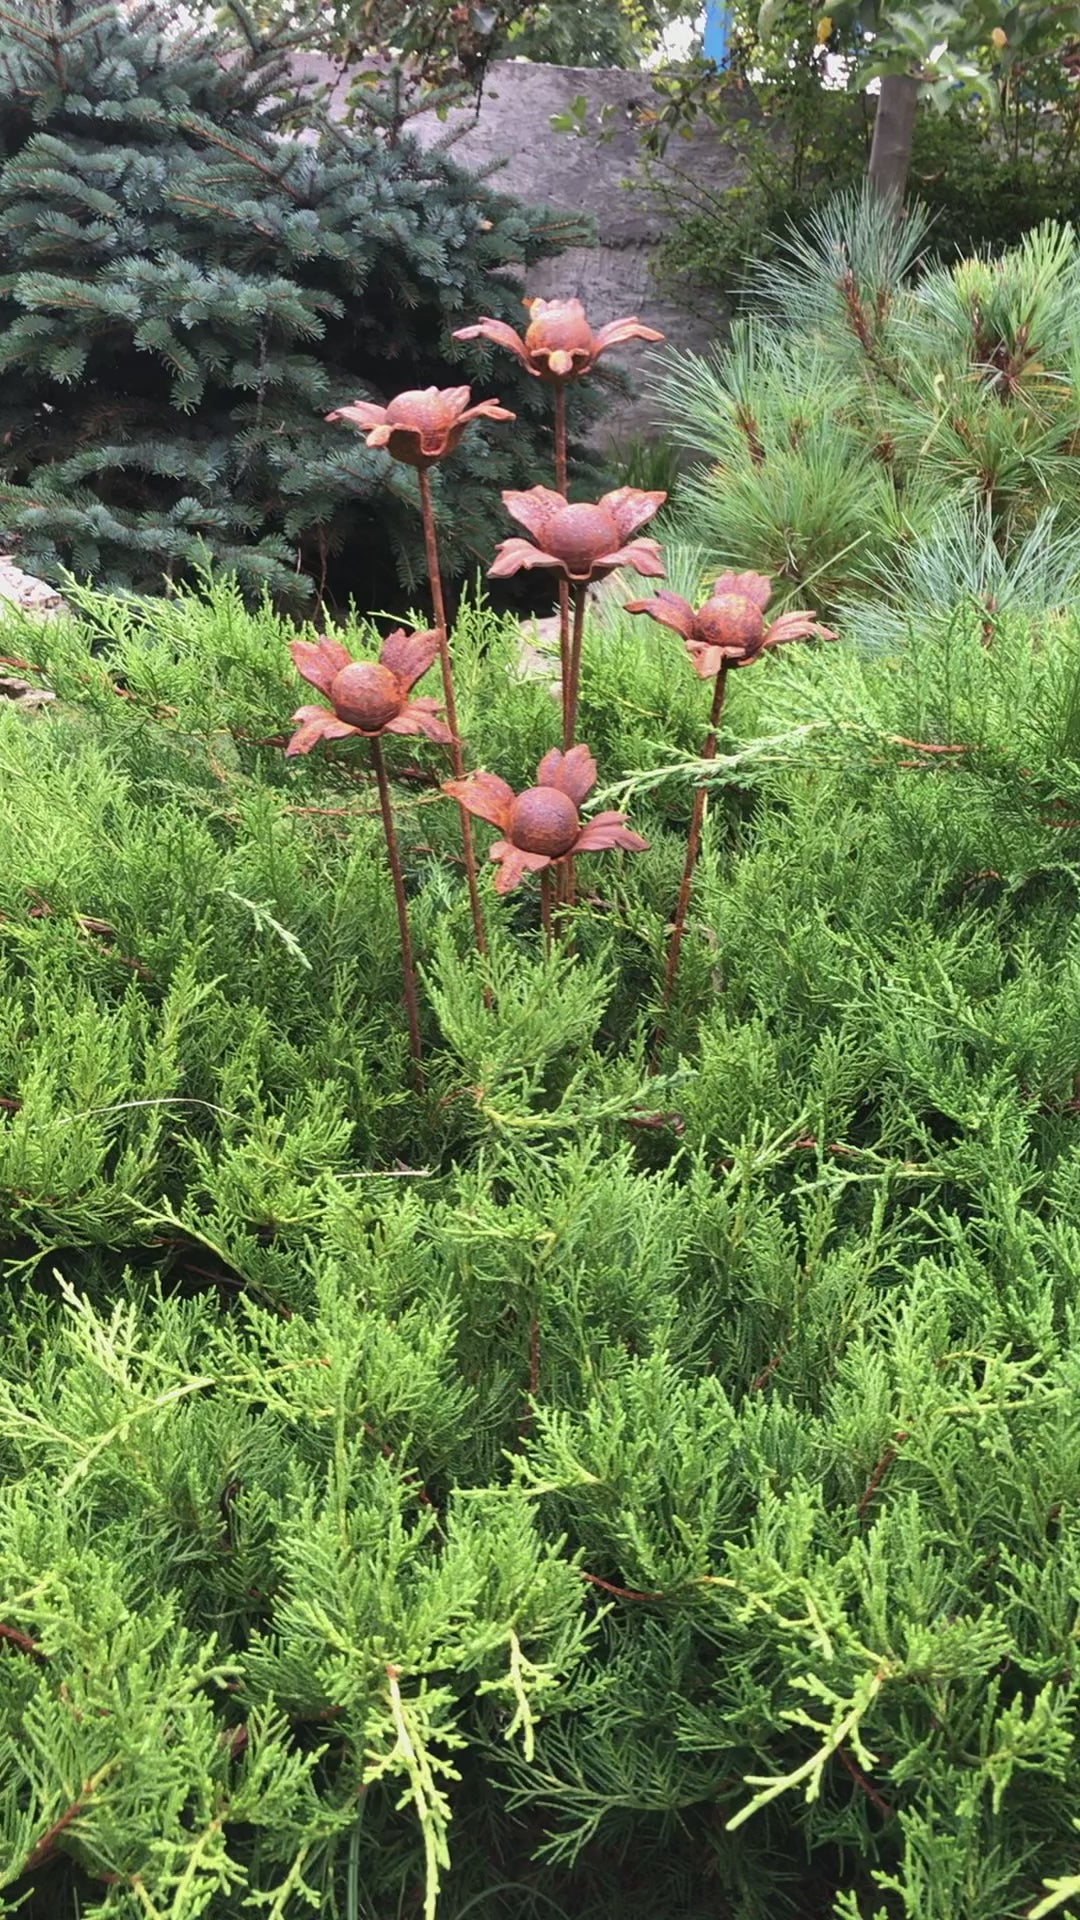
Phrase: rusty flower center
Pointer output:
(559, 333)
(578, 535)
(365, 695)
(422, 413)
(543, 820)
(730, 620)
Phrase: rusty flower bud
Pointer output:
(584, 541)
(559, 343)
(542, 826)
(368, 697)
(728, 629)
(419, 427)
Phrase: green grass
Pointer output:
(766, 1602)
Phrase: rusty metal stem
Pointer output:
(394, 856)
(457, 757)
(562, 485)
(561, 460)
(581, 594)
(693, 843)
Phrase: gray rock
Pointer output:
(21, 590)
(581, 174)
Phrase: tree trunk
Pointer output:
(894, 128)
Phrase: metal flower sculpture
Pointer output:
(727, 630)
(581, 542)
(367, 699)
(559, 345)
(420, 428)
(542, 827)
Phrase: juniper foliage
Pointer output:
(185, 290)
(572, 1487)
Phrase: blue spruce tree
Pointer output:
(186, 287)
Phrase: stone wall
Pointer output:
(586, 174)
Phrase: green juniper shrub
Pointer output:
(574, 1486)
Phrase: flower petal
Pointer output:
(317, 724)
(319, 662)
(499, 332)
(608, 830)
(534, 510)
(514, 864)
(540, 309)
(631, 507)
(755, 587)
(707, 661)
(409, 655)
(485, 795)
(644, 556)
(796, 626)
(304, 739)
(381, 436)
(573, 773)
(417, 717)
(512, 555)
(669, 608)
(488, 410)
(618, 331)
(362, 414)
(452, 401)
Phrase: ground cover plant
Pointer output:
(507, 1487)
(509, 1402)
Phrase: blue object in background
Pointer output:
(717, 44)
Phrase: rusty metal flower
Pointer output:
(583, 541)
(728, 629)
(421, 426)
(559, 343)
(367, 697)
(542, 826)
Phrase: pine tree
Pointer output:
(867, 397)
(185, 291)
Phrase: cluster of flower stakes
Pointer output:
(542, 830)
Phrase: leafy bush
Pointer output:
(185, 291)
(980, 198)
(865, 403)
(997, 161)
(575, 1486)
